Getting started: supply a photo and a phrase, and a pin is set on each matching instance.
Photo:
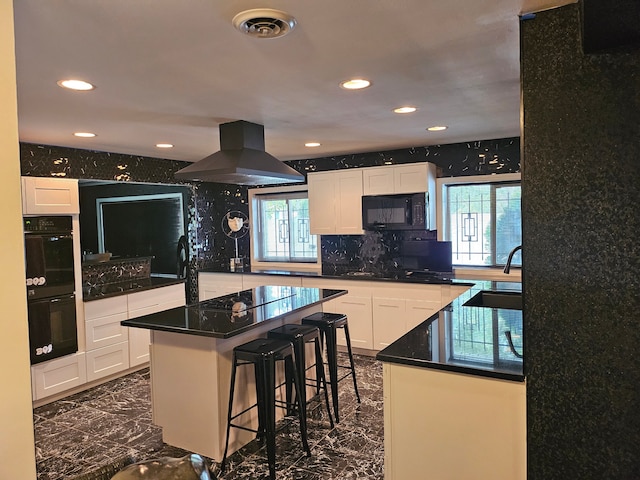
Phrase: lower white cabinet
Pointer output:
(144, 303)
(58, 375)
(357, 308)
(108, 360)
(102, 322)
(211, 285)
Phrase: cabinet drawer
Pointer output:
(105, 331)
(156, 300)
(107, 360)
(58, 375)
(107, 307)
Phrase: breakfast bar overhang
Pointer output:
(191, 354)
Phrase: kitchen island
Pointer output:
(191, 354)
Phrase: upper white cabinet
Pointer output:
(335, 205)
(50, 196)
(405, 178)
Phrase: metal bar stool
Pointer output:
(299, 336)
(263, 353)
(328, 323)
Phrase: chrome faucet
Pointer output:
(507, 267)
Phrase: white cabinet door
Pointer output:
(105, 361)
(349, 196)
(42, 195)
(410, 178)
(139, 341)
(358, 312)
(335, 202)
(417, 311)
(58, 375)
(322, 203)
(377, 181)
(389, 321)
(211, 285)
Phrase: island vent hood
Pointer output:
(241, 160)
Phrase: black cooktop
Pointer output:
(251, 298)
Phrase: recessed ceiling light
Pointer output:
(164, 145)
(73, 84)
(312, 144)
(85, 134)
(406, 109)
(355, 84)
(437, 128)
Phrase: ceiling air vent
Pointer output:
(264, 23)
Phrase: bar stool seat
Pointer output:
(328, 324)
(263, 353)
(299, 336)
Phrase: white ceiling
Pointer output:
(172, 71)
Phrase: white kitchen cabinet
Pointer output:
(404, 178)
(211, 285)
(58, 375)
(106, 361)
(457, 411)
(50, 196)
(107, 342)
(356, 305)
(102, 322)
(417, 311)
(335, 202)
(145, 303)
(389, 321)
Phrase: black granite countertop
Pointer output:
(229, 315)
(97, 292)
(400, 276)
(466, 339)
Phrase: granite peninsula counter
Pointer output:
(191, 354)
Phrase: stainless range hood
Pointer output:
(241, 160)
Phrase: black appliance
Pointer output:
(396, 212)
(50, 287)
(52, 328)
(421, 257)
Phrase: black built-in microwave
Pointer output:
(396, 212)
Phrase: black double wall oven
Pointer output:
(50, 287)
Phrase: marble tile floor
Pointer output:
(91, 430)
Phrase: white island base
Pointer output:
(190, 379)
(451, 426)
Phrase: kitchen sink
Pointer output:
(496, 299)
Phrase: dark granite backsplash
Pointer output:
(376, 253)
(96, 274)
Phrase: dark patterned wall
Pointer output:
(581, 275)
(209, 202)
(483, 157)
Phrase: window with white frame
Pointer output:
(282, 233)
(483, 221)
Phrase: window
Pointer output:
(483, 222)
(283, 228)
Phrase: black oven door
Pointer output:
(52, 328)
(49, 264)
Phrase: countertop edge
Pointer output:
(157, 282)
